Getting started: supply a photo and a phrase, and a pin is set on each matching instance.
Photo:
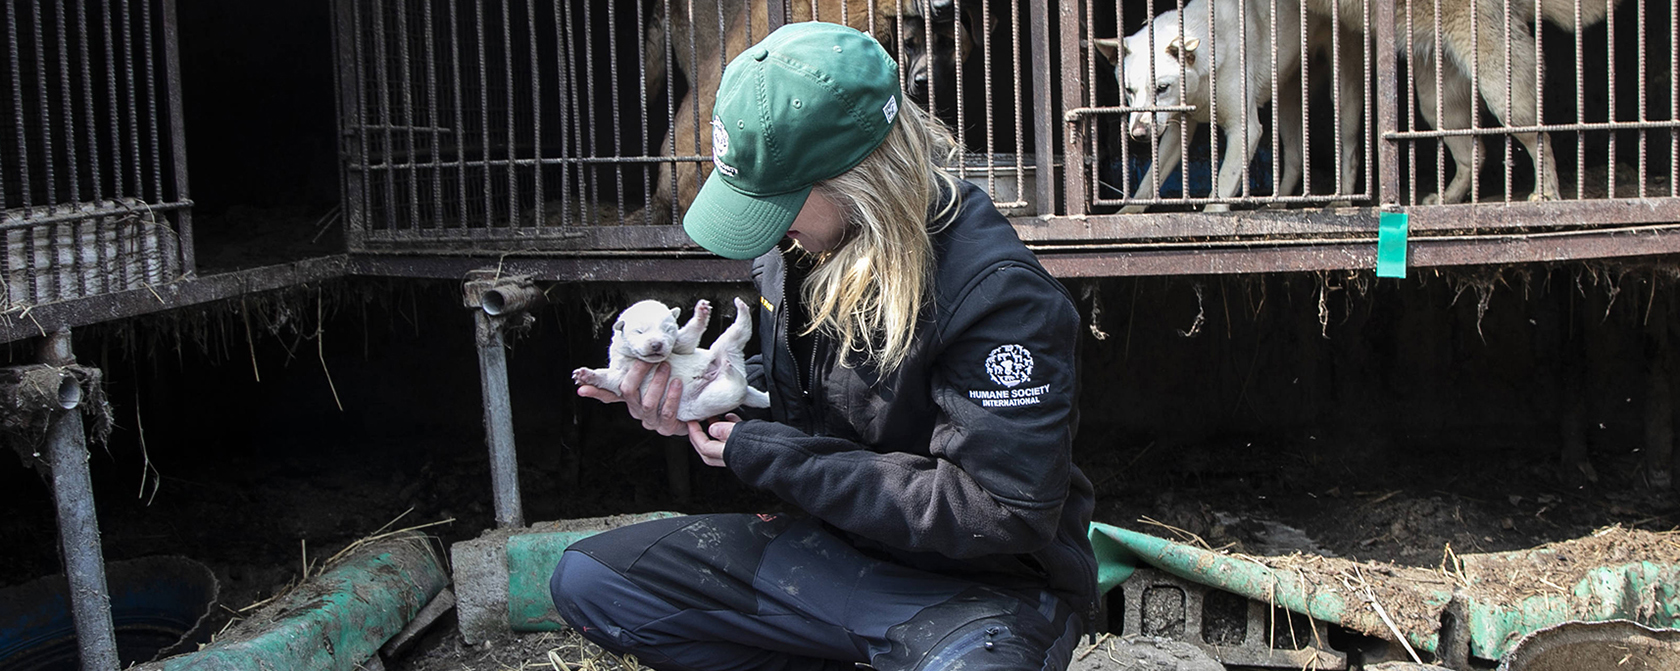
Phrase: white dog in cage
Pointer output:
(1472, 38)
(1170, 62)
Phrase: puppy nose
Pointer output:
(656, 347)
(1139, 131)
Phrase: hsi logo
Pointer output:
(1009, 365)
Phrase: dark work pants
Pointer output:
(737, 592)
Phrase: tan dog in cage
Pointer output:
(1474, 45)
(699, 50)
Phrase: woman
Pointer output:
(921, 369)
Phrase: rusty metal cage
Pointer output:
(535, 125)
(542, 127)
(92, 160)
(1439, 105)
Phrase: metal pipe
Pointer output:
(498, 410)
(78, 525)
(510, 299)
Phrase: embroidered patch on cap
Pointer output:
(891, 109)
(720, 146)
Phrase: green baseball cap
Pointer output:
(808, 103)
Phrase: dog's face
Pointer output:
(646, 331)
(1154, 77)
(930, 58)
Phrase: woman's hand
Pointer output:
(655, 406)
(709, 441)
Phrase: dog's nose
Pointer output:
(656, 347)
(1139, 131)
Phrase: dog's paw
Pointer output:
(1217, 207)
(1432, 199)
(1133, 209)
(702, 309)
(583, 376)
(1539, 197)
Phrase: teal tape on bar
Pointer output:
(1391, 244)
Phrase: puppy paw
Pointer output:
(703, 309)
(1432, 199)
(583, 376)
(1133, 209)
(1217, 207)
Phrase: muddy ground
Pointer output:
(1330, 414)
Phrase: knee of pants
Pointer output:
(570, 587)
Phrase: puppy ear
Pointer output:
(676, 313)
(1192, 44)
(618, 326)
(1108, 46)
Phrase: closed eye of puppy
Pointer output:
(714, 380)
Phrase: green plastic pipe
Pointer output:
(1642, 591)
(1120, 551)
(333, 622)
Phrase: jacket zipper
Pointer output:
(810, 379)
(787, 334)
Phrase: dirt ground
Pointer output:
(1288, 414)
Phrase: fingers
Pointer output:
(654, 403)
(657, 401)
(631, 385)
(710, 451)
(599, 394)
(656, 389)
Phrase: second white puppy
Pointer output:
(714, 380)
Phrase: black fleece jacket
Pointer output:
(959, 461)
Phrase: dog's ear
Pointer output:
(1185, 51)
(1111, 49)
(676, 313)
(975, 25)
(618, 326)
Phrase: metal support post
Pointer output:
(78, 525)
(496, 302)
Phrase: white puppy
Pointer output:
(1158, 63)
(714, 380)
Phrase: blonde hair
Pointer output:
(868, 292)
